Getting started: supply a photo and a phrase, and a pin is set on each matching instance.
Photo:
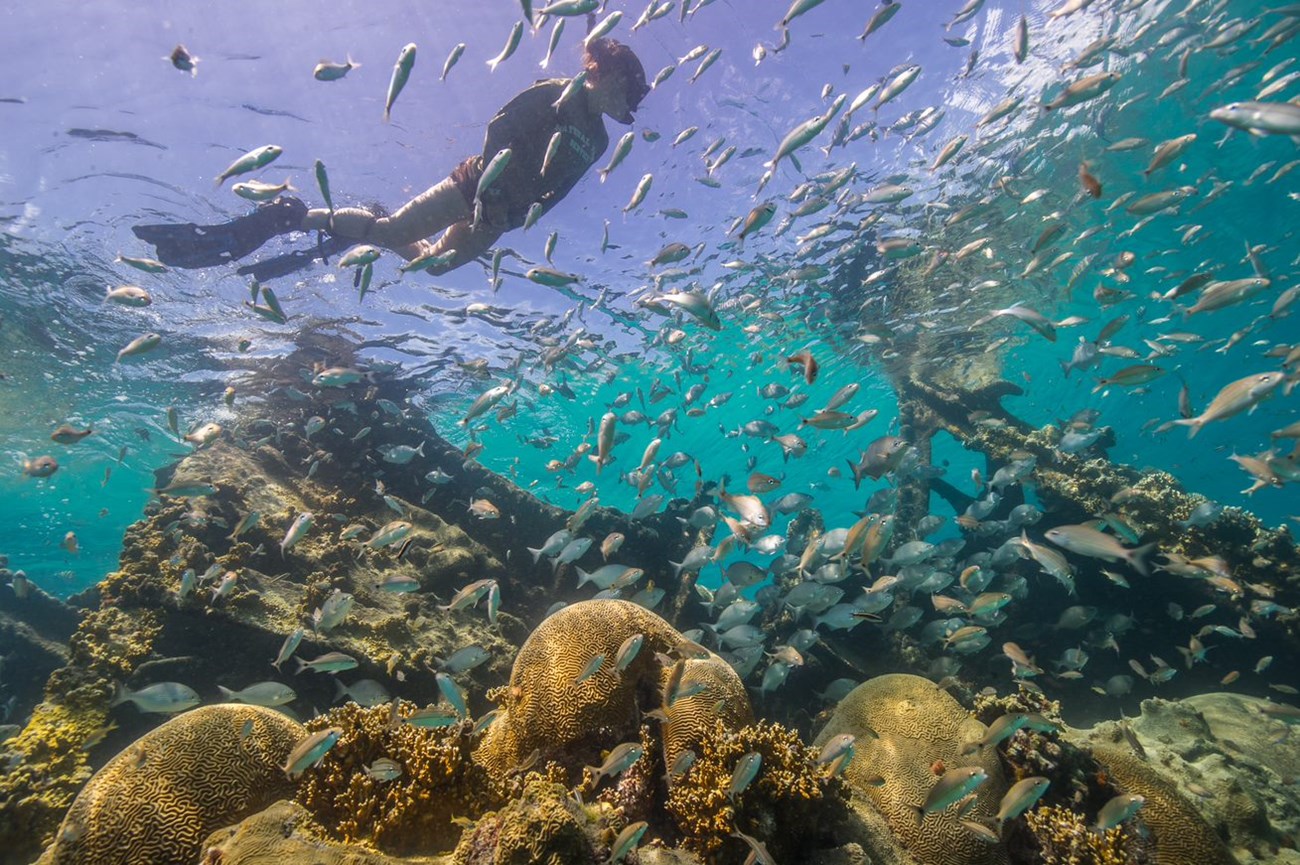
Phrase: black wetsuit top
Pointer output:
(526, 125)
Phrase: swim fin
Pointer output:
(193, 246)
(289, 262)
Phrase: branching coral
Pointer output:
(790, 804)
(1064, 838)
(1072, 771)
(414, 811)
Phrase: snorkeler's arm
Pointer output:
(469, 242)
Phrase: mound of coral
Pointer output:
(285, 832)
(1215, 768)
(908, 734)
(550, 708)
(543, 825)
(158, 799)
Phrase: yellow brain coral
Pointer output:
(158, 799)
(721, 698)
(908, 733)
(1182, 837)
(545, 709)
(414, 811)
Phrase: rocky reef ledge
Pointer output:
(484, 712)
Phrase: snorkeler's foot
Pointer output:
(191, 246)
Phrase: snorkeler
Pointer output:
(615, 85)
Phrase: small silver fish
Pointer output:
(310, 751)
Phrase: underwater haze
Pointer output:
(105, 133)
(957, 333)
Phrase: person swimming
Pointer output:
(468, 223)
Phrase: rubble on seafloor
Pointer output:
(521, 792)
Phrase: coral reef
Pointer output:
(1065, 839)
(544, 708)
(285, 832)
(1076, 487)
(145, 630)
(48, 759)
(1219, 768)
(792, 805)
(908, 732)
(157, 800)
(413, 812)
(543, 826)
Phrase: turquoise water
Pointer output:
(106, 134)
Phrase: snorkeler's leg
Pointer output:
(423, 216)
(433, 210)
(354, 223)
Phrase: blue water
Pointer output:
(68, 200)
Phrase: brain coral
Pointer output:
(157, 800)
(904, 727)
(721, 698)
(545, 709)
(1182, 836)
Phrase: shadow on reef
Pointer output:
(427, 606)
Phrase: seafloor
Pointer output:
(87, 781)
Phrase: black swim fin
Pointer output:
(290, 262)
(193, 246)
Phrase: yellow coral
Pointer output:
(159, 798)
(545, 709)
(53, 765)
(1064, 839)
(36, 791)
(790, 803)
(439, 781)
(908, 732)
(721, 698)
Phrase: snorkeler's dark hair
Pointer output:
(607, 57)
